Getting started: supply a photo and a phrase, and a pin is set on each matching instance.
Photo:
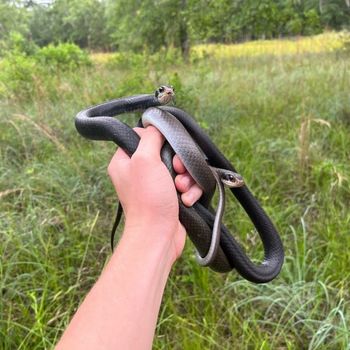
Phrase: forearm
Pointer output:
(120, 311)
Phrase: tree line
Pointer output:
(152, 24)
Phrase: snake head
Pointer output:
(164, 94)
(232, 179)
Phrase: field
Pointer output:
(279, 110)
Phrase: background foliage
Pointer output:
(152, 24)
(278, 109)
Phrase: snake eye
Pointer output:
(161, 89)
(229, 177)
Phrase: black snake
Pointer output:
(184, 135)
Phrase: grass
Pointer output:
(299, 45)
(283, 120)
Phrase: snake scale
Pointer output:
(99, 123)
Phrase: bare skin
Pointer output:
(120, 311)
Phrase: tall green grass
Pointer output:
(283, 121)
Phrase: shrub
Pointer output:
(16, 75)
(63, 56)
(166, 57)
(16, 43)
(312, 22)
(22, 75)
(127, 60)
(294, 26)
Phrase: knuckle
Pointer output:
(154, 132)
(178, 183)
(142, 158)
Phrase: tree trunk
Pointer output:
(321, 6)
(184, 39)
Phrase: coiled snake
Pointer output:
(215, 245)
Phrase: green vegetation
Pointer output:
(24, 66)
(278, 109)
(153, 24)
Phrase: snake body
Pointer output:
(183, 135)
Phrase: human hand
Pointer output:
(147, 192)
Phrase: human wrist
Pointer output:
(149, 238)
(151, 224)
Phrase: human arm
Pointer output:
(120, 311)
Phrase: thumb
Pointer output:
(151, 143)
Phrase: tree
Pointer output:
(140, 25)
(79, 21)
(149, 24)
(335, 14)
(12, 18)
